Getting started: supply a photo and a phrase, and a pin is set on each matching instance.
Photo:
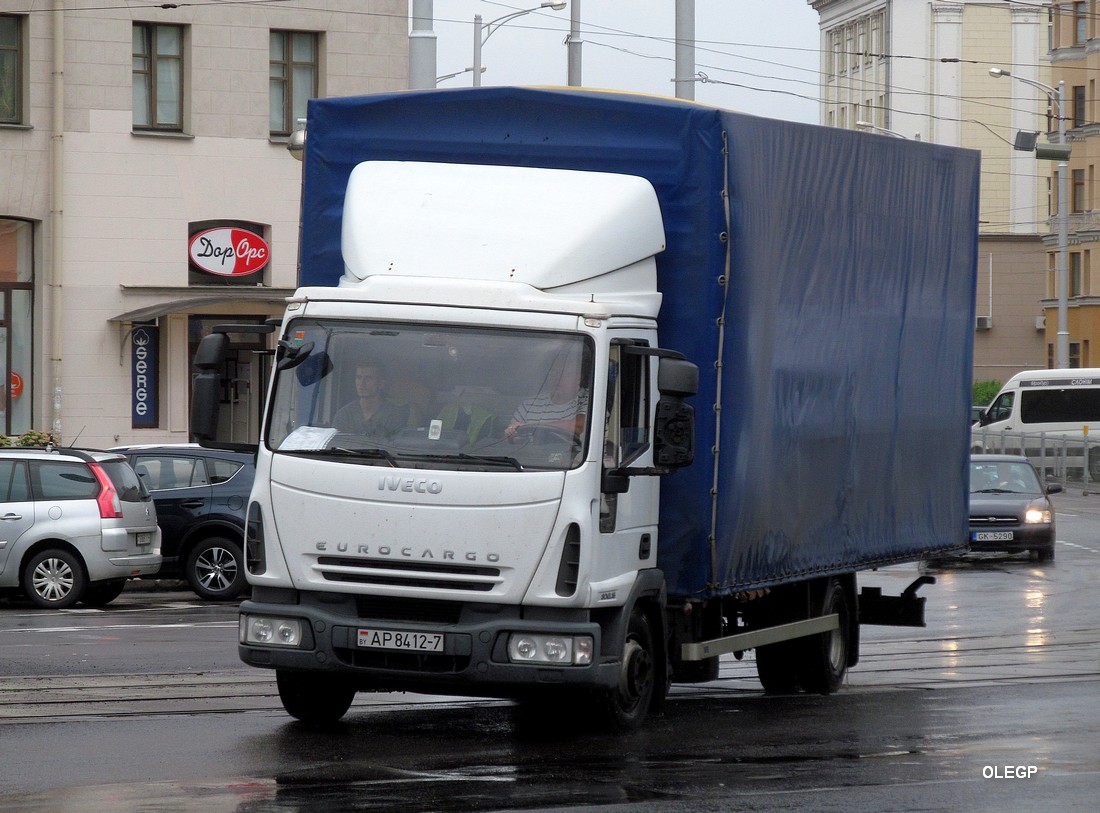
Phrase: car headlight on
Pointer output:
(1037, 515)
(565, 650)
(266, 630)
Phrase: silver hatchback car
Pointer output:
(75, 524)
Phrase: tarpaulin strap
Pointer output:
(724, 283)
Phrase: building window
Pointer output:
(1080, 24)
(1075, 274)
(16, 325)
(11, 69)
(1080, 204)
(294, 72)
(158, 77)
(1075, 355)
(1078, 106)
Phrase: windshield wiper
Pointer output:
(340, 451)
(495, 459)
(463, 457)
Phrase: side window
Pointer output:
(161, 472)
(14, 486)
(293, 72)
(64, 481)
(12, 55)
(222, 470)
(627, 429)
(158, 70)
(1001, 410)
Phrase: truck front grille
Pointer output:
(351, 570)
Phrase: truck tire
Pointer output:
(625, 706)
(100, 594)
(317, 699)
(54, 579)
(215, 569)
(822, 660)
(775, 666)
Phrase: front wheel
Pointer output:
(316, 699)
(215, 569)
(54, 579)
(639, 688)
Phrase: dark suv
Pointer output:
(201, 497)
(75, 524)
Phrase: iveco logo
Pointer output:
(421, 485)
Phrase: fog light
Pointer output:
(524, 649)
(556, 649)
(270, 631)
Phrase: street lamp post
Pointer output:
(483, 32)
(1061, 269)
(866, 125)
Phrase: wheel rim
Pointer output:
(53, 579)
(216, 569)
(636, 675)
(837, 653)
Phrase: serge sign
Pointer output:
(228, 252)
(144, 343)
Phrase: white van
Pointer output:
(1045, 414)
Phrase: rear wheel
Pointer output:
(314, 698)
(215, 568)
(1043, 554)
(54, 579)
(775, 666)
(100, 594)
(823, 658)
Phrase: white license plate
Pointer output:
(993, 536)
(401, 640)
(145, 539)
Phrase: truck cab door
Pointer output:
(628, 513)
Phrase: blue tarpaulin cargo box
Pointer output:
(822, 279)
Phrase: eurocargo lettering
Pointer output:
(650, 381)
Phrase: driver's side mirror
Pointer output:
(674, 428)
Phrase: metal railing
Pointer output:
(1070, 458)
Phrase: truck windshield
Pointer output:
(428, 396)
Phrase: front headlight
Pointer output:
(1037, 516)
(266, 630)
(565, 650)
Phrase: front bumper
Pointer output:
(474, 658)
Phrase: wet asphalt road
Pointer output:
(995, 705)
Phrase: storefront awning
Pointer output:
(160, 300)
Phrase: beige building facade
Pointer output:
(919, 69)
(146, 193)
(1076, 68)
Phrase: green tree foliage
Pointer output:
(985, 391)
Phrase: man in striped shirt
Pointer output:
(562, 403)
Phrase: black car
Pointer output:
(201, 497)
(1009, 508)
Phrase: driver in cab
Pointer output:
(561, 404)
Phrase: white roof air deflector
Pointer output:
(547, 228)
